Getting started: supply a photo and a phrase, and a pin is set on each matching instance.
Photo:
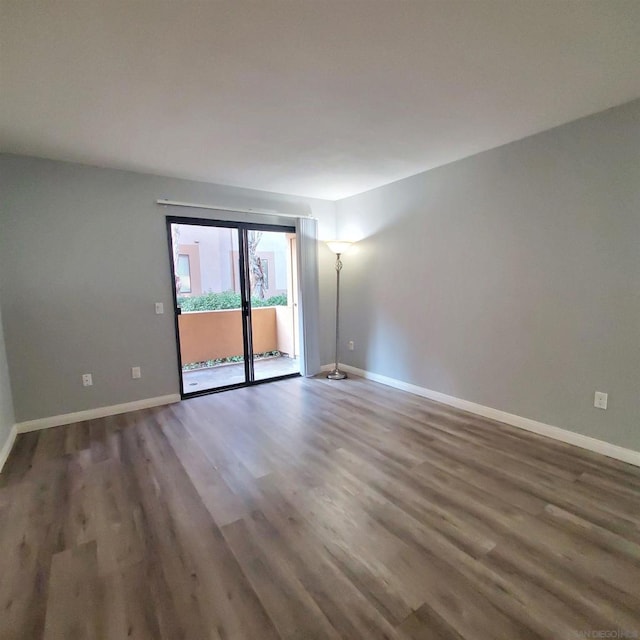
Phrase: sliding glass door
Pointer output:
(235, 293)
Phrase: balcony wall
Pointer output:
(207, 335)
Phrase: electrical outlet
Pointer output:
(352, 346)
(600, 400)
(136, 373)
(159, 308)
(87, 380)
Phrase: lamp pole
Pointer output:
(336, 374)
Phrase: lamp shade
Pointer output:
(339, 246)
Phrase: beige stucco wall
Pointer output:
(207, 335)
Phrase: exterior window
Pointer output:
(183, 271)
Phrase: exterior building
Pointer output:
(207, 261)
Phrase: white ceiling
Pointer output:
(323, 98)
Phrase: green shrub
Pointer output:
(210, 301)
(273, 301)
(225, 300)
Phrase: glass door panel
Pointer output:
(209, 306)
(272, 282)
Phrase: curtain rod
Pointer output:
(191, 205)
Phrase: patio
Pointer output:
(226, 374)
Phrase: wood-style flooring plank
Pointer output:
(74, 601)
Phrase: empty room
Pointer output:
(319, 319)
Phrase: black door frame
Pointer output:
(243, 268)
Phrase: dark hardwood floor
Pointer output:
(313, 509)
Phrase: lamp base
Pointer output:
(336, 374)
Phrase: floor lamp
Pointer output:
(338, 248)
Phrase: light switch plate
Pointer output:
(600, 400)
(159, 308)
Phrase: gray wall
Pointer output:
(6, 403)
(511, 278)
(83, 259)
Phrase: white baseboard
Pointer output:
(570, 437)
(91, 414)
(7, 446)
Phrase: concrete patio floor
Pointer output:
(223, 375)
